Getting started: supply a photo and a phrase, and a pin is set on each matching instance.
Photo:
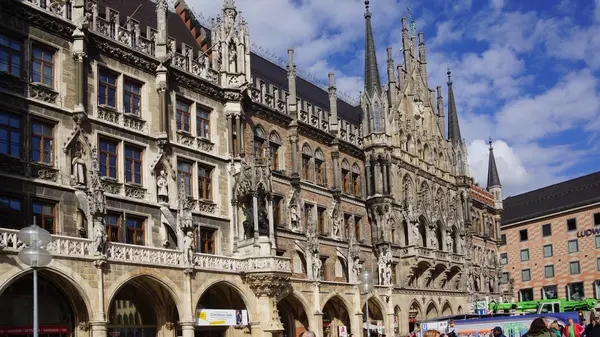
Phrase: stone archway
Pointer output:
(459, 310)
(415, 314)
(60, 303)
(422, 238)
(447, 309)
(293, 316)
(432, 311)
(376, 316)
(396, 322)
(143, 307)
(222, 296)
(335, 315)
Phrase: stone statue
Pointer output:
(449, 243)
(188, 248)
(263, 221)
(162, 187)
(100, 236)
(78, 168)
(384, 266)
(337, 226)
(316, 266)
(248, 224)
(294, 218)
(232, 58)
(415, 233)
(470, 283)
(410, 277)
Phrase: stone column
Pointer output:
(390, 181)
(230, 133)
(99, 264)
(255, 215)
(187, 329)
(271, 224)
(336, 171)
(294, 142)
(99, 329)
(240, 136)
(236, 226)
(79, 80)
(162, 105)
(368, 176)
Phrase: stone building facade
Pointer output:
(178, 170)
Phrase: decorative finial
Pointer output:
(367, 12)
(449, 75)
(490, 142)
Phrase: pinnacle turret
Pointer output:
(372, 81)
(453, 127)
(493, 179)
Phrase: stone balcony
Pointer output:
(66, 247)
(429, 254)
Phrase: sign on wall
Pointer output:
(215, 317)
(342, 331)
(29, 330)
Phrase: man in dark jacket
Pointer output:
(592, 329)
(497, 332)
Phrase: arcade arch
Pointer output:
(414, 314)
(223, 296)
(293, 316)
(376, 315)
(447, 309)
(59, 299)
(335, 314)
(432, 311)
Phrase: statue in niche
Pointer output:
(337, 226)
(410, 277)
(232, 58)
(449, 242)
(415, 232)
(162, 187)
(263, 221)
(248, 224)
(294, 217)
(78, 168)
(100, 236)
(317, 266)
(188, 248)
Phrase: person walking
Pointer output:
(554, 327)
(497, 332)
(573, 329)
(592, 329)
(539, 328)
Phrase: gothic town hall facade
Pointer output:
(178, 170)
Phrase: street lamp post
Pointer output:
(366, 286)
(35, 256)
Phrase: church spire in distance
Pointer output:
(493, 179)
(372, 80)
(453, 127)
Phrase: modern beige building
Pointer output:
(551, 241)
(180, 171)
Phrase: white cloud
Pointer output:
(497, 4)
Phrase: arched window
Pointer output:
(259, 142)
(320, 170)
(274, 147)
(356, 186)
(307, 155)
(460, 164)
(346, 176)
(377, 122)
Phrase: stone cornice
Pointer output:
(418, 171)
(352, 150)
(49, 23)
(202, 86)
(314, 133)
(124, 53)
(268, 114)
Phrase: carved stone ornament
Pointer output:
(44, 172)
(205, 145)
(136, 192)
(42, 92)
(206, 206)
(126, 55)
(267, 285)
(57, 25)
(185, 138)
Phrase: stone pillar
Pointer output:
(294, 142)
(99, 329)
(163, 115)
(368, 176)
(79, 57)
(100, 314)
(187, 329)
(240, 136)
(271, 224)
(255, 215)
(236, 226)
(390, 181)
(336, 164)
(230, 133)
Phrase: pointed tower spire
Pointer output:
(453, 128)
(493, 177)
(372, 81)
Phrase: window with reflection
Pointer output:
(42, 65)
(113, 227)
(10, 134)
(259, 143)
(132, 96)
(135, 231)
(42, 142)
(10, 55)
(184, 176)
(44, 214)
(107, 88)
(182, 115)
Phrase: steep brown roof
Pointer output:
(569, 194)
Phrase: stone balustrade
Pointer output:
(60, 8)
(73, 247)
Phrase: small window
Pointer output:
(503, 278)
(207, 240)
(202, 123)
(571, 224)
(10, 134)
(306, 167)
(184, 175)
(503, 240)
(113, 227)
(546, 230)
(524, 255)
(182, 116)
(550, 292)
(135, 231)
(108, 158)
(548, 251)
(346, 181)
(205, 182)
(356, 190)
(132, 92)
(597, 219)
(133, 165)
(45, 215)
(274, 148)
(42, 66)
(10, 55)
(42, 142)
(575, 291)
(107, 89)
(598, 263)
(503, 258)
(573, 246)
(549, 271)
(526, 275)
(523, 235)
(357, 231)
(597, 241)
(320, 172)
(322, 215)
(308, 213)
(526, 294)
(574, 268)
(11, 211)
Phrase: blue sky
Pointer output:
(525, 72)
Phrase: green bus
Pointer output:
(544, 306)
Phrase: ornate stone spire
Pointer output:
(372, 81)
(453, 127)
(493, 179)
(229, 4)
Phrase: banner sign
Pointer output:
(213, 317)
(25, 330)
(342, 331)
